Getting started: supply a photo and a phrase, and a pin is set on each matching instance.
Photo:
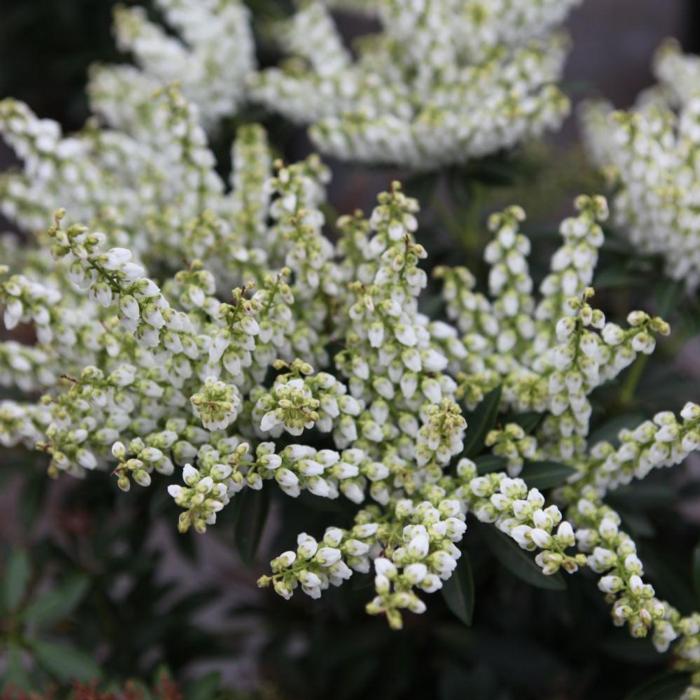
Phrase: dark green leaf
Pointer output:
(630, 650)
(458, 590)
(250, 521)
(545, 474)
(16, 579)
(643, 496)
(65, 661)
(614, 278)
(204, 688)
(609, 430)
(490, 463)
(636, 523)
(15, 675)
(57, 604)
(481, 421)
(519, 562)
(668, 686)
(668, 294)
(32, 497)
(527, 421)
(670, 577)
(696, 570)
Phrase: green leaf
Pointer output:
(519, 562)
(15, 676)
(16, 579)
(696, 570)
(527, 421)
(32, 497)
(65, 661)
(668, 294)
(57, 604)
(637, 523)
(622, 647)
(252, 512)
(667, 686)
(458, 591)
(642, 495)
(485, 464)
(204, 688)
(609, 430)
(545, 474)
(618, 278)
(481, 421)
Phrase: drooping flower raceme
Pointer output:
(210, 61)
(442, 82)
(651, 156)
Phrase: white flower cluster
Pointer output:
(321, 341)
(443, 82)
(210, 61)
(513, 445)
(612, 554)
(547, 356)
(662, 442)
(133, 184)
(650, 154)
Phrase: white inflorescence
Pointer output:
(211, 336)
(211, 59)
(443, 82)
(651, 155)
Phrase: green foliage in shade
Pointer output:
(15, 579)
(696, 571)
(14, 676)
(519, 562)
(458, 591)
(486, 464)
(668, 686)
(204, 687)
(56, 604)
(481, 420)
(65, 661)
(527, 421)
(250, 519)
(545, 474)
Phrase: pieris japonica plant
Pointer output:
(444, 81)
(650, 154)
(207, 339)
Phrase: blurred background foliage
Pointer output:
(99, 590)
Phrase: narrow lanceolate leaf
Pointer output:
(458, 591)
(57, 604)
(610, 429)
(485, 464)
(16, 579)
(15, 675)
(545, 474)
(252, 512)
(667, 686)
(520, 562)
(696, 570)
(65, 661)
(481, 421)
(527, 421)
